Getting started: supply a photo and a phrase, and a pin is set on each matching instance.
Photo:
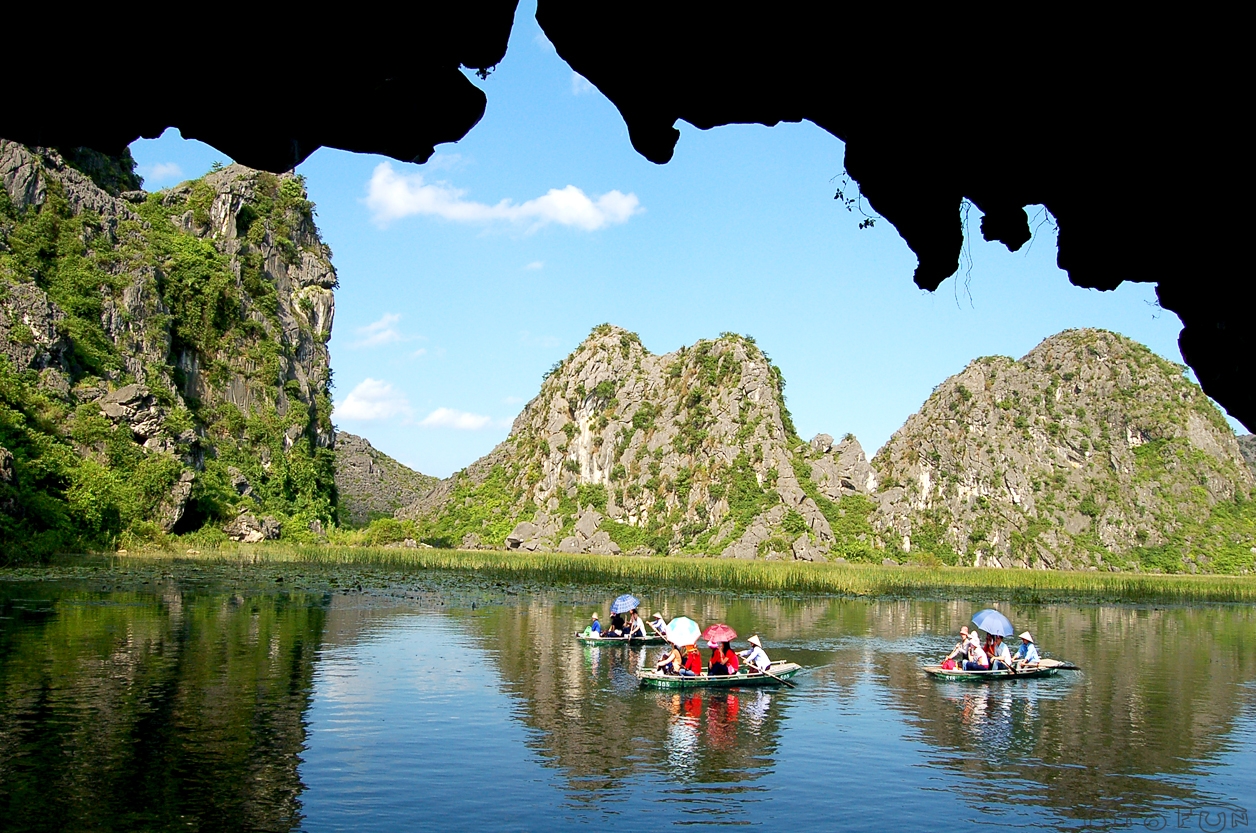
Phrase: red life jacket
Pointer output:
(731, 661)
(693, 660)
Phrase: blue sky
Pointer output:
(463, 280)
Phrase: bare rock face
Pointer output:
(372, 484)
(1087, 449)
(247, 528)
(1247, 445)
(623, 451)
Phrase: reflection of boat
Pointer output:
(621, 640)
(657, 679)
(986, 676)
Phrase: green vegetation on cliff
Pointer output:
(148, 383)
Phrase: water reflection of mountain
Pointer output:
(597, 725)
(1158, 698)
(141, 711)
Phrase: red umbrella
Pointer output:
(719, 633)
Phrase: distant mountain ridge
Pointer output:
(370, 484)
(1090, 452)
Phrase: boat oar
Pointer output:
(789, 683)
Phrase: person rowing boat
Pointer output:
(1027, 654)
(755, 656)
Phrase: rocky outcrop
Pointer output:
(1086, 449)
(192, 321)
(626, 451)
(372, 484)
(247, 528)
(1247, 445)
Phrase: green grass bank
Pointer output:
(1028, 586)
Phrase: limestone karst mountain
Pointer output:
(163, 360)
(626, 451)
(1090, 452)
(370, 484)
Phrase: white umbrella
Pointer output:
(683, 631)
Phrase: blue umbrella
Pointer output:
(991, 621)
(629, 602)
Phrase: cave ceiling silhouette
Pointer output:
(1125, 125)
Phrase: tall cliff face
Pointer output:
(1091, 451)
(624, 451)
(164, 363)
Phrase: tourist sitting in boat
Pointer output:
(755, 655)
(636, 627)
(1000, 656)
(723, 660)
(960, 651)
(660, 627)
(692, 665)
(978, 659)
(1027, 654)
(595, 627)
(717, 667)
(617, 625)
(669, 661)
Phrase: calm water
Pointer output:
(194, 702)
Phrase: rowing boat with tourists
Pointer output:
(679, 666)
(974, 660)
(626, 627)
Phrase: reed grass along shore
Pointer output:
(760, 576)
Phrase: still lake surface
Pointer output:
(201, 700)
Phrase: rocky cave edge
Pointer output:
(1132, 146)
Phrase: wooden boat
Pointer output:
(657, 679)
(621, 640)
(941, 673)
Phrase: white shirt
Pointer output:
(978, 655)
(756, 657)
(1002, 653)
(660, 626)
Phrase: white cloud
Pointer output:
(534, 265)
(512, 400)
(383, 331)
(373, 399)
(162, 172)
(543, 42)
(581, 85)
(420, 353)
(391, 196)
(461, 420)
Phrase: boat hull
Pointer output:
(621, 640)
(941, 673)
(672, 682)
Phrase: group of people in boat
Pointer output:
(633, 626)
(686, 661)
(971, 654)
